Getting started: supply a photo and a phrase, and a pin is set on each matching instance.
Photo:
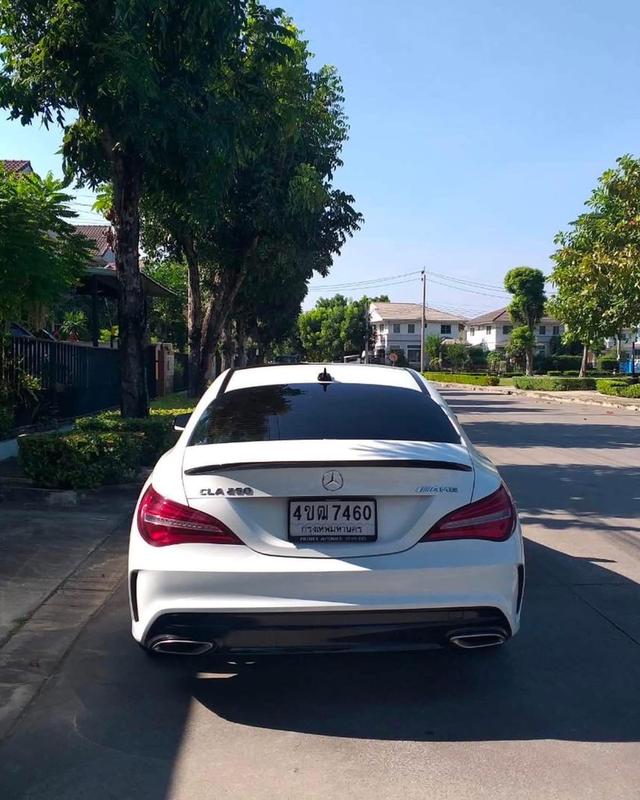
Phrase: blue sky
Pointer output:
(478, 129)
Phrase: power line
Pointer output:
(468, 282)
(369, 282)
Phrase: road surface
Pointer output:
(555, 714)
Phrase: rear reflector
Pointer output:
(163, 522)
(492, 518)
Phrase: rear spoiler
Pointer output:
(406, 463)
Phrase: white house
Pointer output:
(396, 326)
(493, 331)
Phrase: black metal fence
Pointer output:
(72, 379)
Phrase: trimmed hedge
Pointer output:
(554, 384)
(607, 363)
(157, 431)
(473, 380)
(618, 387)
(81, 460)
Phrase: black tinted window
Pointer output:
(316, 411)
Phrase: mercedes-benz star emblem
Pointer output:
(332, 480)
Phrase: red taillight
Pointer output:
(162, 522)
(493, 518)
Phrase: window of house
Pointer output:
(413, 355)
(542, 330)
(487, 329)
(445, 329)
(472, 331)
(460, 326)
(556, 330)
(411, 328)
(506, 329)
(396, 327)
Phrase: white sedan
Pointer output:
(315, 508)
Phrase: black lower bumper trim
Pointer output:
(326, 631)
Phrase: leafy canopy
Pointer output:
(526, 284)
(336, 327)
(41, 253)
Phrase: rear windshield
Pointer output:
(317, 411)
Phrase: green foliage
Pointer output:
(520, 346)
(168, 317)
(74, 326)
(618, 387)
(596, 271)
(7, 421)
(527, 307)
(554, 384)
(157, 434)
(494, 360)
(472, 380)
(562, 363)
(81, 460)
(607, 363)
(336, 327)
(176, 403)
(455, 356)
(41, 254)
(432, 347)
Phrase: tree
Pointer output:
(521, 346)
(130, 83)
(167, 317)
(336, 327)
(279, 205)
(432, 347)
(597, 261)
(41, 253)
(526, 284)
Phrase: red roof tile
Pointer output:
(100, 235)
(13, 165)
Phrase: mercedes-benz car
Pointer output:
(310, 508)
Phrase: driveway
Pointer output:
(555, 714)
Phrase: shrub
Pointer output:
(607, 363)
(157, 431)
(7, 421)
(473, 380)
(554, 384)
(80, 460)
(618, 387)
(562, 363)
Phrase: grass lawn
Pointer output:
(178, 402)
(506, 381)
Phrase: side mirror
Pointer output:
(180, 422)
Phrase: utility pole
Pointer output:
(422, 324)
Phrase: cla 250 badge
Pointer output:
(232, 491)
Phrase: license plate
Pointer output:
(339, 521)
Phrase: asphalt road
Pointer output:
(555, 714)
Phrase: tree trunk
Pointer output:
(241, 342)
(132, 316)
(218, 309)
(528, 361)
(194, 313)
(583, 365)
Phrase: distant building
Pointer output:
(18, 166)
(102, 241)
(492, 331)
(396, 327)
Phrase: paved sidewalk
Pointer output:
(59, 565)
(586, 397)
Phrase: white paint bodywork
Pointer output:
(269, 573)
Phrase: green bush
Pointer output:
(554, 384)
(607, 363)
(157, 431)
(6, 421)
(618, 387)
(561, 363)
(473, 380)
(80, 460)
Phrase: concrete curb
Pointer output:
(31, 655)
(21, 490)
(554, 396)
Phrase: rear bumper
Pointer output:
(326, 631)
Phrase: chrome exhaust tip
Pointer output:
(474, 640)
(172, 645)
